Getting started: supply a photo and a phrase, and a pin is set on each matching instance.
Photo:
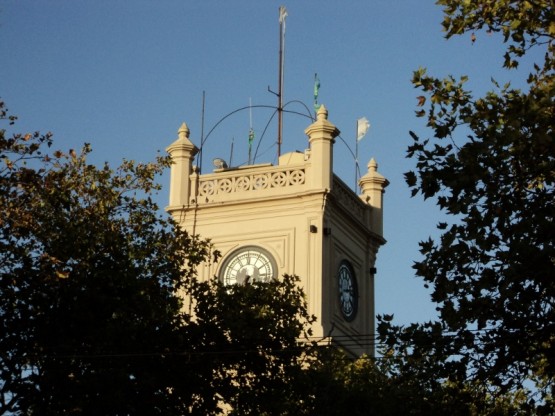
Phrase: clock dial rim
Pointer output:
(347, 290)
(248, 259)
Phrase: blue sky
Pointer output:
(123, 76)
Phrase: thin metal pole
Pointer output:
(251, 131)
(282, 15)
(199, 160)
(231, 152)
(356, 157)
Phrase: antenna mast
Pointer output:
(199, 160)
(231, 152)
(251, 131)
(282, 16)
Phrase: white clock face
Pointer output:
(348, 292)
(247, 265)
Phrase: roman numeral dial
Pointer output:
(248, 264)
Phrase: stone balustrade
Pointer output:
(239, 183)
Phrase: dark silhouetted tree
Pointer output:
(490, 165)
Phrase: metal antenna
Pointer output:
(282, 16)
(231, 152)
(251, 131)
(199, 160)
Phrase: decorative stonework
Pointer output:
(347, 199)
(251, 182)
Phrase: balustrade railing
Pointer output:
(235, 182)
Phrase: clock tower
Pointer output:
(294, 218)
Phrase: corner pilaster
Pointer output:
(182, 153)
(321, 135)
(373, 187)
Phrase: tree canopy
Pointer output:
(490, 165)
(101, 311)
(93, 283)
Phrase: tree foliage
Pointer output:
(384, 386)
(92, 287)
(491, 165)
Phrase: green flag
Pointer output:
(316, 91)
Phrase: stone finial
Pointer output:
(183, 132)
(322, 113)
(182, 144)
(373, 177)
(322, 125)
(372, 165)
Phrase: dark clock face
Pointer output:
(348, 291)
(248, 264)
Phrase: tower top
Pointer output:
(183, 132)
(182, 146)
(322, 128)
(373, 176)
(322, 113)
(373, 186)
(372, 165)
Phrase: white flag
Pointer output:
(362, 127)
(282, 14)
